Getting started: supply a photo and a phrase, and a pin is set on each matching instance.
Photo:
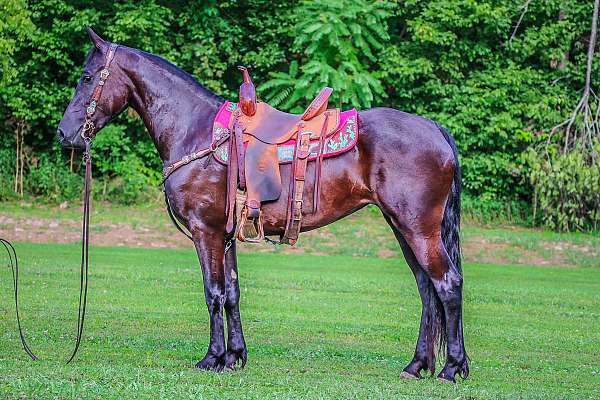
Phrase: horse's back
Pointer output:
(409, 159)
(387, 131)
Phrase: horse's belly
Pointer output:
(343, 190)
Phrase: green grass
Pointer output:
(363, 234)
(316, 327)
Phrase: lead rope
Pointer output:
(83, 284)
(85, 240)
(13, 263)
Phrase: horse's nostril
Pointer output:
(60, 134)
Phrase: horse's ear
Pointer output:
(97, 40)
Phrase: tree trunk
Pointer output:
(562, 65)
(591, 49)
(19, 157)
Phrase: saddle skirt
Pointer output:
(340, 137)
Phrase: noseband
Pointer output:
(88, 131)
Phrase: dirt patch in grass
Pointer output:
(361, 234)
(480, 249)
(41, 230)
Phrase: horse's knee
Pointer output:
(215, 297)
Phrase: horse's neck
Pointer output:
(177, 112)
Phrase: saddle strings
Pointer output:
(13, 261)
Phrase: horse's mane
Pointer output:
(169, 66)
(176, 71)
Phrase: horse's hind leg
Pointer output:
(432, 324)
(448, 281)
(420, 214)
(236, 346)
(426, 244)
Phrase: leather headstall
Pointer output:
(88, 129)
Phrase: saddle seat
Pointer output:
(272, 126)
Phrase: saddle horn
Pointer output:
(247, 93)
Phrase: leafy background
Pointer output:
(453, 61)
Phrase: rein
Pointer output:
(85, 247)
(87, 133)
(13, 263)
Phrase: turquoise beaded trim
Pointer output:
(341, 141)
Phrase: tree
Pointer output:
(582, 128)
(14, 28)
(335, 44)
(565, 172)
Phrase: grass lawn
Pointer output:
(325, 326)
(362, 234)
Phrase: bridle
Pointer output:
(88, 130)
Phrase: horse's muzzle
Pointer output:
(69, 142)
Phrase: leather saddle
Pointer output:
(258, 130)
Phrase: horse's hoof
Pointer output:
(211, 363)
(445, 379)
(233, 358)
(451, 370)
(408, 375)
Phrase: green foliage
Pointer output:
(14, 26)
(567, 189)
(488, 209)
(7, 166)
(450, 60)
(455, 65)
(52, 179)
(122, 163)
(337, 42)
(132, 180)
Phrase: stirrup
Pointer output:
(250, 226)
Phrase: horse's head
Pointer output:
(97, 98)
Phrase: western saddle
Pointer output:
(254, 175)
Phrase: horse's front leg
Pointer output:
(236, 345)
(210, 247)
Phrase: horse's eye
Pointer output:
(87, 78)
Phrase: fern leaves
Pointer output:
(336, 41)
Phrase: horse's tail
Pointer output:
(451, 219)
(435, 325)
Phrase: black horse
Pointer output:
(404, 164)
